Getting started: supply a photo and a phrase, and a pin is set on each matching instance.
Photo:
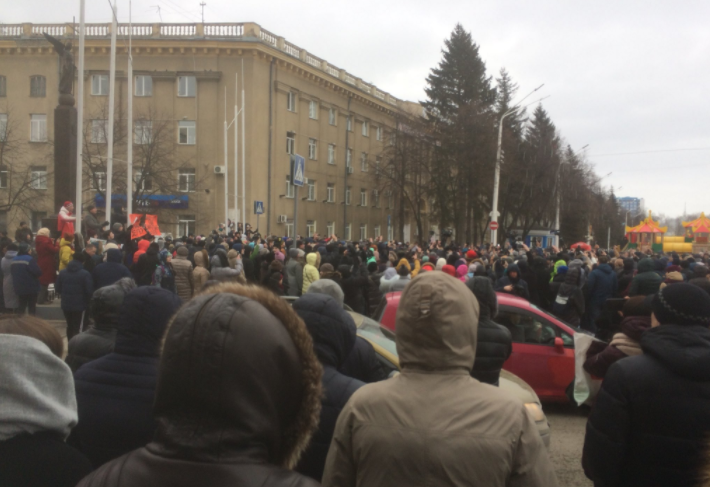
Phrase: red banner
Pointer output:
(134, 218)
(137, 232)
(151, 224)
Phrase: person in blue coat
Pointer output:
(333, 331)
(601, 285)
(75, 286)
(25, 278)
(111, 271)
(115, 393)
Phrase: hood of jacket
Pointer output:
(646, 265)
(106, 302)
(212, 404)
(113, 255)
(437, 324)
(199, 259)
(311, 259)
(142, 320)
(10, 255)
(683, 349)
(482, 288)
(37, 389)
(605, 268)
(331, 327)
(461, 271)
(628, 266)
(143, 245)
(572, 276)
(634, 326)
(440, 264)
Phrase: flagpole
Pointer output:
(226, 162)
(236, 155)
(80, 117)
(111, 109)
(244, 159)
(129, 133)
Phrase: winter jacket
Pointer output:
(221, 272)
(75, 286)
(25, 275)
(647, 281)
(144, 269)
(200, 275)
(601, 285)
(294, 273)
(542, 278)
(520, 287)
(434, 424)
(650, 421)
(333, 332)
(8, 288)
(625, 277)
(46, 259)
(362, 363)
(142, 248)
(115, 393)
(252, 422)
(394, 284)
(494, 343)
(355, 288)
(100, 339)
(569, 302)
(111, 271)
(92, 226)
(66, 252)
(623, 344)
(184, 280)
(310, 272)
(37, 413)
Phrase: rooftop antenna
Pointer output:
(202, 4)
(159, 14)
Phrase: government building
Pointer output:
(187, 78)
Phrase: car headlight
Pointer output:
(535, 410)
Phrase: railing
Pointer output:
(51, 29)
(224, 30)
(217, 30)
(178, 30)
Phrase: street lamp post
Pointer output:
(496, 179)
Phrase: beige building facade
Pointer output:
(184, 76)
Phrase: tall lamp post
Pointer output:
(496, 179)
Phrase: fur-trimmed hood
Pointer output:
(238, 382)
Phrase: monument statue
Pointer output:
(66, 64)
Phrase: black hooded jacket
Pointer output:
(650, 421)
(520, 287)
(111, 271)
(333, 332)
(569, 302)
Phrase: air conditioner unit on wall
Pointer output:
(283, 218)
(220, 169)
(350, 170)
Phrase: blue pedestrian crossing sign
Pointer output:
(258, 207)
(298, 170)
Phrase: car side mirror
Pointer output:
(559, 344)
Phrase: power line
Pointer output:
(649, 152)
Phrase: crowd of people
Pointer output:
(185, 365)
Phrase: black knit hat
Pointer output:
(682, 304)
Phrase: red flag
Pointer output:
(134, 218)
(137, 232)
(151, 224)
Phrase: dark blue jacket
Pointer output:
(333, 332)
(601, 285)
(115, 393)
(25, 275)
(75, 286)
(110, 271)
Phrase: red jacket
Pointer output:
(142, 247)
(46, 259)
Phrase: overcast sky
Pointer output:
(623, 76)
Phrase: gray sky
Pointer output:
(623, 76)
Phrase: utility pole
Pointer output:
(111, 110)
(202, 4)
(80, 115)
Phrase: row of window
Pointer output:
(186, 86)
(313, 152)
(144, 182)
(313, 110)
(143, 132)
(311, 228)
(38, 177)
(311, 194)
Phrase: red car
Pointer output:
(543, 346)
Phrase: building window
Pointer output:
(363, 197)
(311, 189)
(3, 127)
(187, 86)
(291, 101)
(390, 200)
(331, 193)
(378, 133)
(38, 175)
(289, 229)
(99, 84)
(98, 131)
(3, 86)
(143, 132)
(376, 229)
(348, 231)
(38, 128)
(363, 231)
(376, 197)
(331, 153)
(186, 225)
(350, 124)
(330, 229)
(98, 181)
(363, 162)
(349, 158)
(313, 110)
(333, 116)
(3, 177)
(187, 132)
(312, 149)
(38, 86)
(143, 181)
(186, 180)
(290, 143)
(347, 195)
(365, 129)
(37, 217)
(289, 187)
(310, 228)
(144, 86)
